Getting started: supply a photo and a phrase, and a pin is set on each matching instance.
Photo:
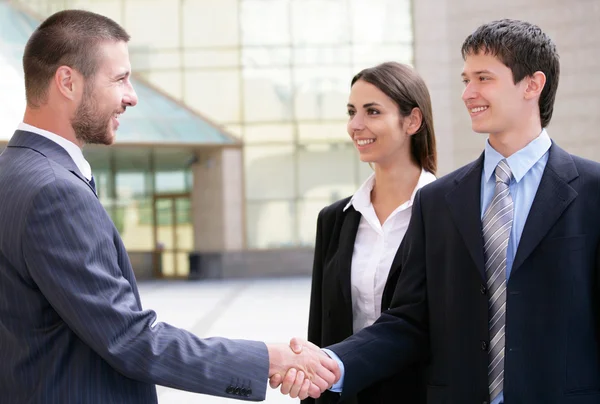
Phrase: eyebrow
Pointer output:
(367, 105)
(463, 74)
(124, 74)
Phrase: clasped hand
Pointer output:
(301, 369)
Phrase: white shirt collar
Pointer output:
(362, 197)
(71, 148)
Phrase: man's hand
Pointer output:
(322, 371)
(301, 369)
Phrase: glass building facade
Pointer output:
(274, 73)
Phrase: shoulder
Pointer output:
(447, 182)
(335, 209)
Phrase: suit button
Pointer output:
(229, 389)
(248, 392)
(243, 391)
(485, 402)
(484, 345)
(483, 289)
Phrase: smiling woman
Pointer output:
(391, 125)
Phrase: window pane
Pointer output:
(323, 56)
(167, 81)
(329, 22)
(143, 17)
(136, 230)
(269, 133)
(210, 23)
(269, 172)
(265, 22)
(308, 210)
(381, 21)
(222, 58)
(266, 57)
(321, 92)
(146, 58)
(215, 92)
(267, 95)
(370, 55)
(323, 132)
(326, 171)
(270, 224)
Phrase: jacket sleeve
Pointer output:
(399, 337)
(70, 251)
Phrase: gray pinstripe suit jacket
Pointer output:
(72, 327)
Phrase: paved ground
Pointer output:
(271, 310)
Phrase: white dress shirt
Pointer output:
(71, 148)
(374, 250)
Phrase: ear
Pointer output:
(415, 119)
(69, 82)
(535, 85)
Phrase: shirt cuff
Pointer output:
(336, 388)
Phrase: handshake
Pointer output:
(302, 369)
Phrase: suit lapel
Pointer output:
(346, 248)
(49, 149)
(464, 202)
(553, 196)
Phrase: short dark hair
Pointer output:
(66, 38)
(525, 49)
(408, 90)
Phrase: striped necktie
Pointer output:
(497, 224)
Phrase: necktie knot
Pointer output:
(503, 173)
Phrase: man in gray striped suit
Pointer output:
(72, 327)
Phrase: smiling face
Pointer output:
(106, 95)
(375, 125)
(495, 103)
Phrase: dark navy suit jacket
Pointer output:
(439, 312)
(72, 327)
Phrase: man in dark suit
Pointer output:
(72, 327)
(499, 289)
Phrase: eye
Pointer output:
(372, 111)
(482, 78)
(465, 81)
(351, 112)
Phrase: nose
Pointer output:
(469, 92)
(356, 122)
(130, 98)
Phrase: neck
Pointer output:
(395, 183)
(509, 142)
(46, 118)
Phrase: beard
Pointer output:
(91, 126)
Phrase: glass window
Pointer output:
(329, 22)
(211, 58)
(305, 56)
(265, 22)
(269, 172)
(277, 133)
(110, 8)
(168, 81)
(381, 21)
(321, 92)
(210, 23)
(323, 132)
(308, 211)
(270, 224)
(370, 55)
(143, 17)
(143, 59)
(266, 56)
(326, 171)
(267, 95)
(214, 92)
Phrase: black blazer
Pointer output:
(440, 306)
(330, 318)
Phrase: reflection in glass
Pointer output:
(270, 224)
(329, 22)
(267, 95)
(269, 172)
(265, 22)
(321, 92)
(326, 171)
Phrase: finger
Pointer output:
(288, 381)
(295, 390)
(314, 391)
(275, 380)
(304, 391)
(320, 382)
(328, 371)
(296, 345)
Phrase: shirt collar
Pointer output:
(520, 162)
(362, 197)
(71, 148)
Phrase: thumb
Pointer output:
(296, 345)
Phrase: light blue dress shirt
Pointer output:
(527, 166)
